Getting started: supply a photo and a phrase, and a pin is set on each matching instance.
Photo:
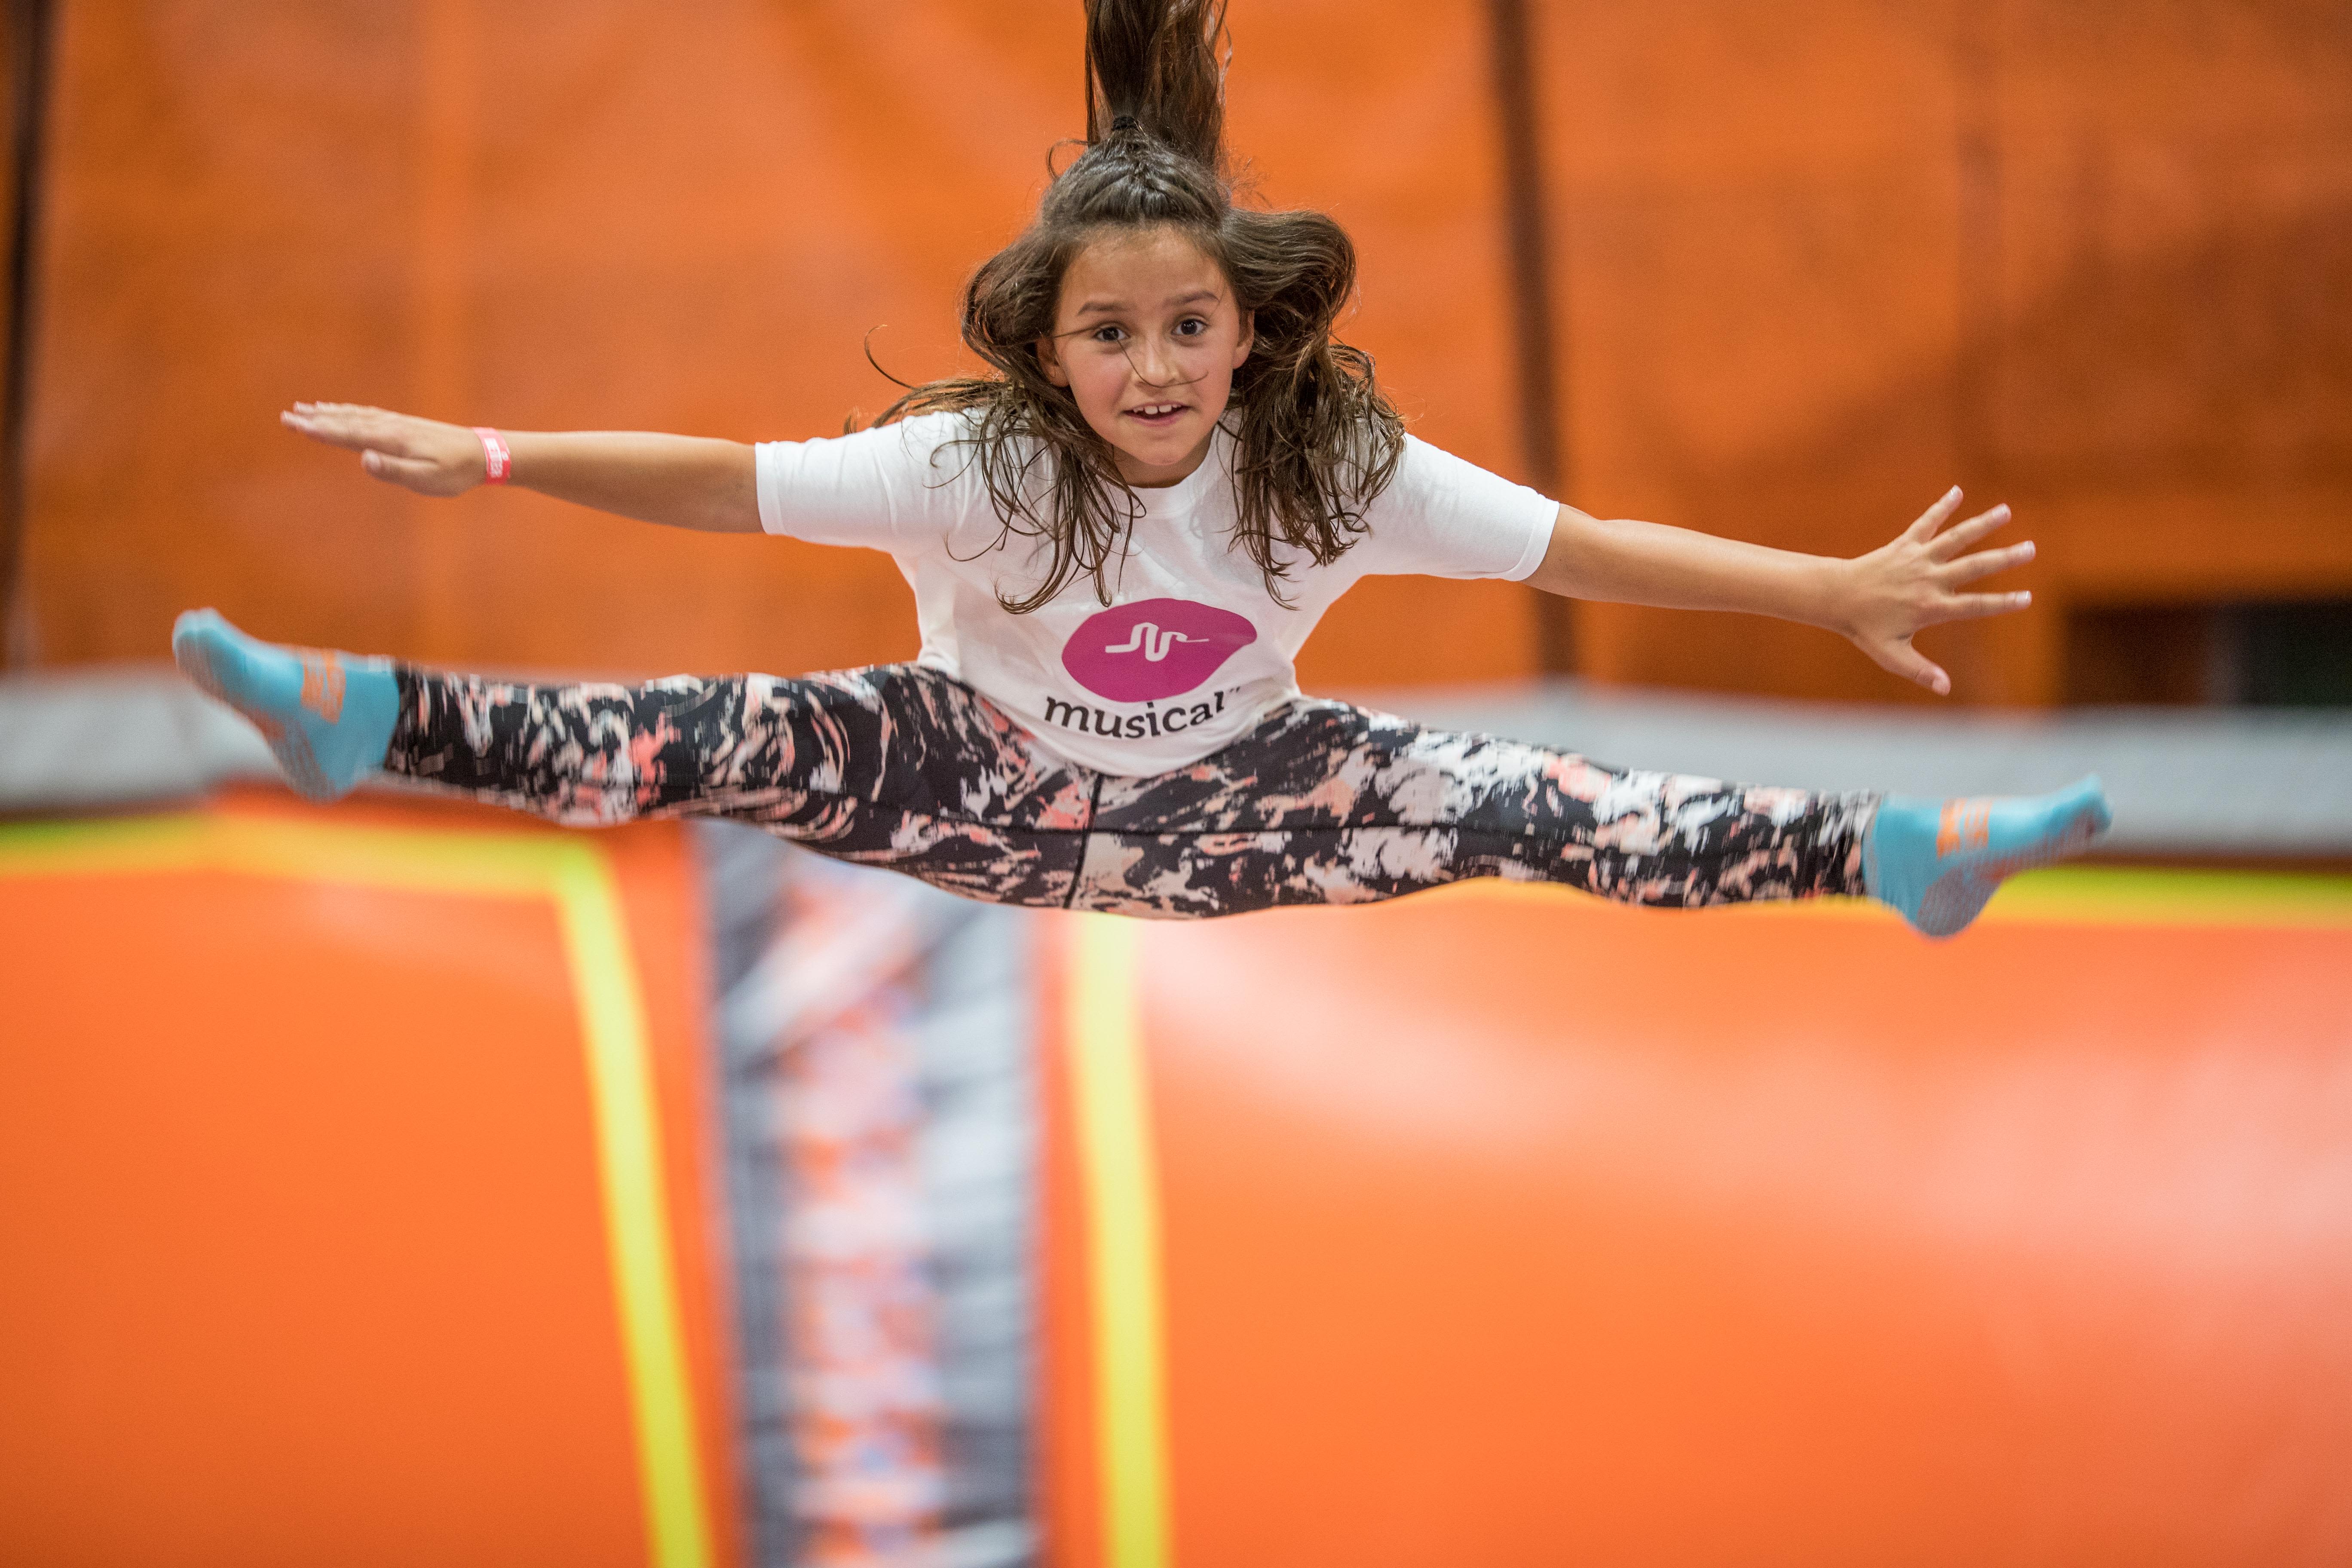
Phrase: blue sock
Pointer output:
(327, 716)
(1936, 862)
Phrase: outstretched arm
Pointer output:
(685, 482)
(1878, 600)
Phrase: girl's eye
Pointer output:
(1190, 327)
(1107, 333)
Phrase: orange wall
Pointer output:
(1812, 265)
(1822, 262)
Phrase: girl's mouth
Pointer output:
(1156, 414)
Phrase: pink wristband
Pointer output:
(496, 461)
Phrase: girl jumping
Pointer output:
(1119, 538)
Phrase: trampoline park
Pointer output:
(402, 1180)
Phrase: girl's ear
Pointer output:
(1249, 338)
(1049, 360)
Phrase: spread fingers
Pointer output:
(1962, 537)
(1985, 563)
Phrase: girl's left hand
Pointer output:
(1914, 582)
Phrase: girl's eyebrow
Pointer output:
(1102, 307)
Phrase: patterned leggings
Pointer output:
(1322, 804)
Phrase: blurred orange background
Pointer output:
(1809, 265)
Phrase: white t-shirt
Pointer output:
(1193, 650)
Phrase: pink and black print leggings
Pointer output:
(1323, 802)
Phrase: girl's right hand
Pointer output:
(424, 455)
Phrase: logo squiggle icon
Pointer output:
(1182, 643)
(1154, 642)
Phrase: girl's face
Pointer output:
(1147, 338)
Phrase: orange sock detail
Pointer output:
(322, 683)
(1964, 826)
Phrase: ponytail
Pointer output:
(1152, 68)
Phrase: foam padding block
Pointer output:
(1501, 1225)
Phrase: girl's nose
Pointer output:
(1156, 364)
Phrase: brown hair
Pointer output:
(1317, 440)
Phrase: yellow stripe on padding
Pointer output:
(2064, 895)
(1111, 1103)
(575, 876)
(2119, 895)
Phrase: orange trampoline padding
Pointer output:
(1503, 1227)
(307, 1258)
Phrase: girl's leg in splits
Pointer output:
(897, 766)
(1328, 803)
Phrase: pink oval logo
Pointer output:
(1154, 648)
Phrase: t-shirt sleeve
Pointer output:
(1443, 517)
(901, 487)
